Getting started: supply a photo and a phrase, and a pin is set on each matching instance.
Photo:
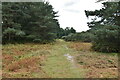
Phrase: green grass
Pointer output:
(57, 65)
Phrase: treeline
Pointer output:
(104, 33)
(36, 22)
(65, 32)
(30, 22)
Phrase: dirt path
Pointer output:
(60, 63)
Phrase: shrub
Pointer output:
(107, 39)
(37, 40)
(84, 37)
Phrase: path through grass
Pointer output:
(58, 66)
(58, 60)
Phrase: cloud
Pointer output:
(72, 12)
(71, 2)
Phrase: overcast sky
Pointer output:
(71, 12)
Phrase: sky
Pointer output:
(71, 12)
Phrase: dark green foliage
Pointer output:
(65, 32)
(86, 37)
(70, 37)
(69, 30)
(37, 40)
(107, 39)
(11, 35)
(107, 30)
(83, 36)
(31, 22)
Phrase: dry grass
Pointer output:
(23, 58)
(99, 65)
(26, 63)
(80, 46)
(43, 60)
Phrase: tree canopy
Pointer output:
(107, 30)
(29, 22)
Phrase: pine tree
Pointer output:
(29, 21)
(107, 30)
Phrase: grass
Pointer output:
(57, 65)
(20, 58)
(48, 61)
(100, 65)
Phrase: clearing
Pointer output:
(57, 60)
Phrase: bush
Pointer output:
(102, 47)
(84, 37)
(107, 39)
(12, 35)
(37, 40)
(70, 37)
